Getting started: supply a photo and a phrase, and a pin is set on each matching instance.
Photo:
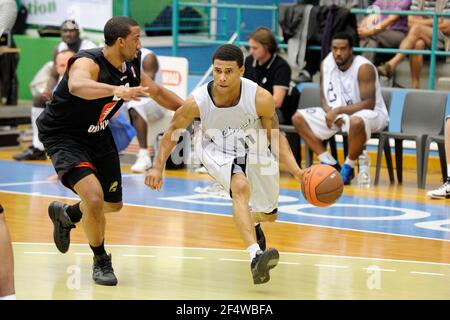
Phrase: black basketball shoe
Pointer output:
(102, 271)
(262, 263)
(61, 225)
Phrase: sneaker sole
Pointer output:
(267, 262)
(439, 197)
(52, 215)
(105, 283)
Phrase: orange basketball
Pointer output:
(322, 185)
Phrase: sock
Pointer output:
(252, 250)
(35, 112)
(448, 171)
(74, 212)
(327, 158)
(10, 297)
(351, 163)
(100, 250)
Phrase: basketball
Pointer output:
(322, 185)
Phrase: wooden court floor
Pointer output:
(173, 254)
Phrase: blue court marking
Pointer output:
(357, 213)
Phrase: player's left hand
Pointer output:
(154, 179)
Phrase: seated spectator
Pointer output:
(36, 150)
(351, 101)
(269, 70)
(383, 31)
(419, 38)
(443, 192)
(46, 79)
(145, 112)
(8, 62)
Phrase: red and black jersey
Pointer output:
(71, 115)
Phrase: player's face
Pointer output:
(257, 50)
(131, 44)
(70, 36)
(61, 62)
(227, 74)
(342, 51)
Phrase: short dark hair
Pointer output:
(229, 52)
(343, 36)
(117, 27)
(266, 37)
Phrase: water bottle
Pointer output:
(364, 170)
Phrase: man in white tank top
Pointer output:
(351, 102)
(237, 117)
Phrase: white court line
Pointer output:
(241, 250)
(188, 258)
(331, 266)
(139, 255)
(379, 269)
(294, 263)
(39, 252)
(229, 216)
(428, 273)
(239, 260)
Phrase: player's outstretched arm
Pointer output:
(83, 75)
(163, 96)
(265, 108)
(181, 119)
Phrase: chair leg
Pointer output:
(333, 148)
(426, 154)
(388, 157)
(443, 160)
(420, 146)
(345, 143)
(399, 159)
(381, 142)
(308, 156)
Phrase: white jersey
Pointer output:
(85, 45)
(342, 88)
(231, 132)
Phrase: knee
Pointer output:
(297, 120)
(115, 207)
(420, 45)
(94, 203)
(415, 31)
(240, 189)
(357, 125)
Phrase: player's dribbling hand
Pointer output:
(153, 179)
(131, 93)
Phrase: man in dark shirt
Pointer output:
(6, 262)
(75, 133)
(265, 67)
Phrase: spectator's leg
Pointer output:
(416, 64)
(306, 134)
(356, 137)
(370, 42)
(141, 128)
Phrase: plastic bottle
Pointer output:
(364, 170)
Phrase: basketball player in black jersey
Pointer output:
(74, 130)
(6, 262)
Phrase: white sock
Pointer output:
(252, 250)
(144, 151)
(10, 297)
(327, 158)
(351, 163)
(35, 112)
(448, 169)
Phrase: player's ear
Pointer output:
(242, 70)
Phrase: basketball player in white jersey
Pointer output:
(237, 122)
(351, 101)
(7, 291)
(145, 112)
